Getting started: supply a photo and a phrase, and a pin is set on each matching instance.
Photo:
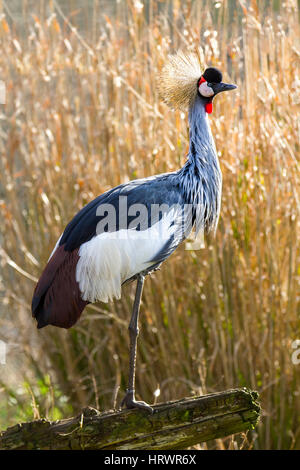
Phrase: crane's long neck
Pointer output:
(202, 149)
(201, 176)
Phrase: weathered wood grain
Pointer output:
(173, 425)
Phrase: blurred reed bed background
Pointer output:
(82, 115)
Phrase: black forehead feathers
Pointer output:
(212, 75)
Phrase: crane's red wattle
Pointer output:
(208, 108)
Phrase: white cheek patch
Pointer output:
(205, 90)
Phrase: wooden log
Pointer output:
(173, 425)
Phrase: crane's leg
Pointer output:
(129, 399)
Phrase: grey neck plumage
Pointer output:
(201, 176)
(202, 146)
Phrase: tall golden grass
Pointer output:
(82, 115)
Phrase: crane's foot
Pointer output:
(130, 402)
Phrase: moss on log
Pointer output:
(173, 425)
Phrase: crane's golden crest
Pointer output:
(178, 79)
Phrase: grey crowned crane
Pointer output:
(127, 232)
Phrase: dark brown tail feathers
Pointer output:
(57, 299)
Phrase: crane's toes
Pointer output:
(140, 404)
(130, 402)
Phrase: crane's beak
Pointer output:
(219, 87)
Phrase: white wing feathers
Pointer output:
(109, 259)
